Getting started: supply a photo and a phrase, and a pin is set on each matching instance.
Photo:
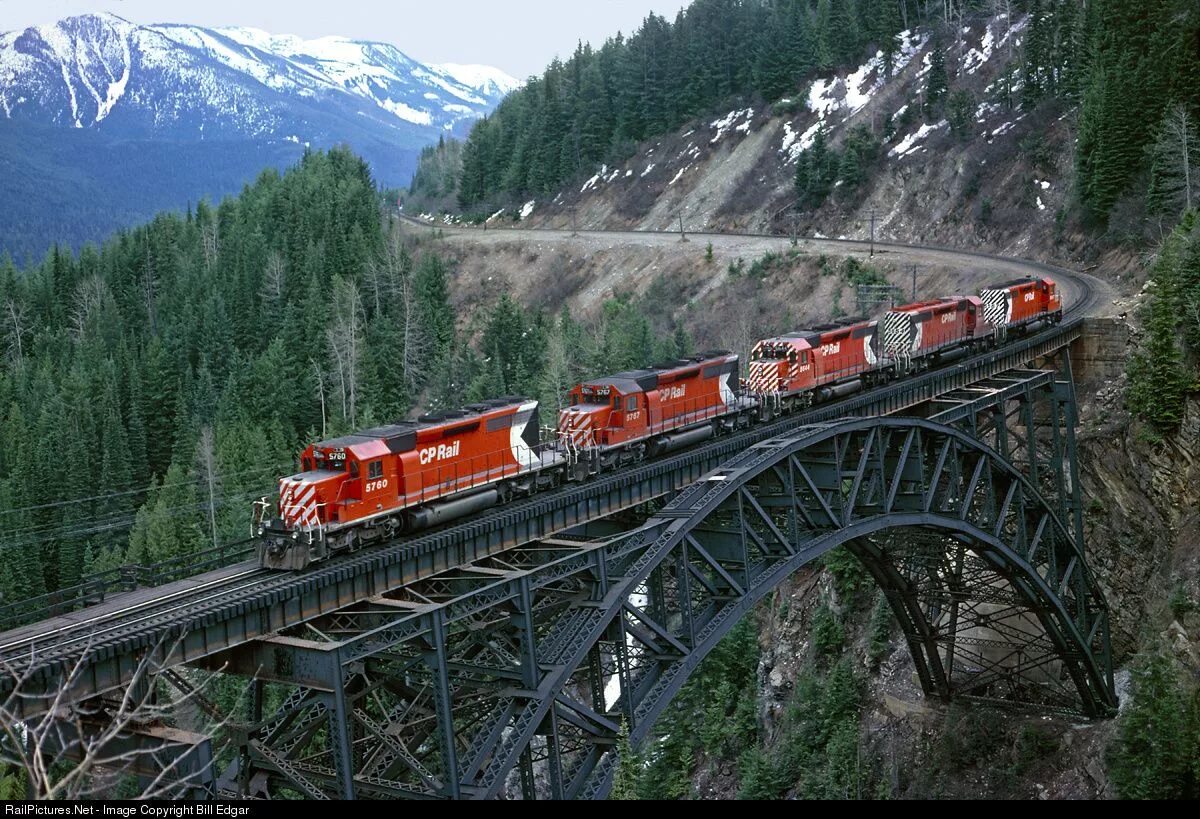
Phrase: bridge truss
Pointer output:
(510, 675)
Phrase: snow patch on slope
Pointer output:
(848, 95)
(911, 142)
(407, 113)
(722, 125)
(852, 93)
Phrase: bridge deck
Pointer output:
(192, 619)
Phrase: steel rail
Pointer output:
(46, 645)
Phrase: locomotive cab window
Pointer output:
(631, 404)
(375, 470)
(804, 357)
(354, 469)
(307, 464)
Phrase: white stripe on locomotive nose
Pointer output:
(303, 501)
(295, 509)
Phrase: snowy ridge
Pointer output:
(83, 71)
(483, 78)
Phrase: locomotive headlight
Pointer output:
(295, 535)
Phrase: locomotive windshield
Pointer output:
(332, 461)
(765, 353)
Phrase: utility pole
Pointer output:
(873, 213)
(914, 283)
(574, 221)
(682, 235)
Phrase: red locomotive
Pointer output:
(826, 361)
(915, 335)
(414, 474)
(1021, 303)
(408, 476)
(621, 418)
(375, 483)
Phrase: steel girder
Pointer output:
(510, 676)
(100, 649)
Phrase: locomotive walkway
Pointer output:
(483, 634)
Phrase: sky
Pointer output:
(518, 36)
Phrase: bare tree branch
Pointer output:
(75, 750)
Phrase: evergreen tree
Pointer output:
(937, 84)
(850, 170)
(825, 52)
(1154, 755)
(433, 298)
(960, 113)
(625, 781)
(1175, 168)
(169, 524)
(1158, 379)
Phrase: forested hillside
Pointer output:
(1103, 90)
(1117, 70)
(155, 386)
(601, 102)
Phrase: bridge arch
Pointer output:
(514, 673)
(992, 593)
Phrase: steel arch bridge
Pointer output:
(501, 664)
(510, 676)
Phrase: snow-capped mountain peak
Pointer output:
(94, 70)
(484, 78)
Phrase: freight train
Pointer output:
(376, 484)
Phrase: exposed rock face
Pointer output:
(1141, 516)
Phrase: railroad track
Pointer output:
(1086, 292)
(142, 614)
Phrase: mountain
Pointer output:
(486, 80)
(157, 115)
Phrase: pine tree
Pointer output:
(937, 84)
(1158, 379)
(960, 113)
(846, 35)
(850, 167)
(824, 50)
(433, 299)
(1175, 168)
(1037, 74)
(625, 781)
(160, 385)
(1154, 755)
